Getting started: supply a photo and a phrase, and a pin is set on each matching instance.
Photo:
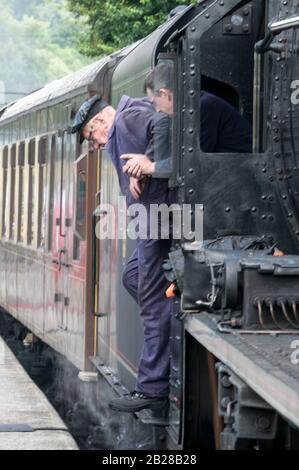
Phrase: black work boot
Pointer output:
(137, 401)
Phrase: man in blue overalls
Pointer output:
(135, 127)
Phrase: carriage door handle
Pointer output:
(61, 251)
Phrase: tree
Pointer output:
(115, 24)
(39, 44)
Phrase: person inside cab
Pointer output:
(222, 130)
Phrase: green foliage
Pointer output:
(115, 24)
(39, 43)
(43, 40)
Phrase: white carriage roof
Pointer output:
(80, 79)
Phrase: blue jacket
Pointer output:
(138, 128)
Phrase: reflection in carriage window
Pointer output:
(32, 182)
(5, 188)
(12, 191)
(80, 197)
(78, 146)
(21, 215)
(51, 191)
(42, 158)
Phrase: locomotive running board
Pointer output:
(264, 364)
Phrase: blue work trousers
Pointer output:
(144, 279)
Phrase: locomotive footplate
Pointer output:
(267, 363)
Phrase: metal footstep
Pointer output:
(154, 417)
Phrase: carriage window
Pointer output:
(79, 150)
(31, 202)
(42, 158)
(42, 150)
(5, 197)
(51, 192)
(80, 197)
(21, 205)
(12, 191)
(76, 248)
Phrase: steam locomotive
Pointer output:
(234, 340)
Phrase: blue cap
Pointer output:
(87, 111)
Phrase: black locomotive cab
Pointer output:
(235, 51)
(242, 275)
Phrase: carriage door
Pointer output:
(61, 242)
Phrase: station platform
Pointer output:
(27, 420)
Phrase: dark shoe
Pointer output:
(137, 401)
